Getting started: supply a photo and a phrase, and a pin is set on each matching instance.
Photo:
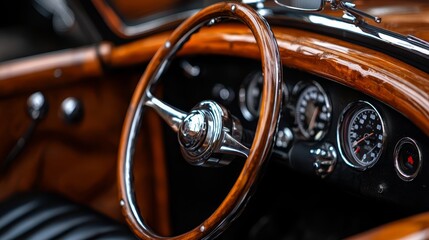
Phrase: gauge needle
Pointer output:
(365, 136)
(313, 118)
(372, 149)
(364, 156)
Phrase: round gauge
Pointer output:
(250, 95)
(313, 112)
(408, 159)
(361, 135)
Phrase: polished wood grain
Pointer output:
(136, 53)
(415, 227)
(269, 113)
(53, 69)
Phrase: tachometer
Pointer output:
(361, 135)
(313, 112)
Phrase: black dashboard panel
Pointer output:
(221, 79)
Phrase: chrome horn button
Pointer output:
(204, 135)
(193, 130)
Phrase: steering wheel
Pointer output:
(208, 132)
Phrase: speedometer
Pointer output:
(361, 135)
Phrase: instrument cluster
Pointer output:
(325, 128)
(319, 129)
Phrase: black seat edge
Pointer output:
(42, 215)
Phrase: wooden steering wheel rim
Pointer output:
(265, 131)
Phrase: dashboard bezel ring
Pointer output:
(348, 112)
(401, 174)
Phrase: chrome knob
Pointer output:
(37, 106)
(192, 131)
(284, 138)
(72, 110)
(325, 159)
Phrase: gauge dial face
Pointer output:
(362, 136)
(313, 112)
(250, 95)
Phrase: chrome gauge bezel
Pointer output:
(298, 91)
(404, 176)
(248, 114)
(343, 130)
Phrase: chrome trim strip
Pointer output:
(302, 7)
(363, 29)
(369, 31)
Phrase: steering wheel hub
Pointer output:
(201, 133)
(193, 130)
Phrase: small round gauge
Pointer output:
(250, 95)
(313, 112)
(361, 135)
(408, 159)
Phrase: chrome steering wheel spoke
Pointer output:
(171, 115)
(232, 146)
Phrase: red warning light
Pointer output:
(410, 160)
(407, 159)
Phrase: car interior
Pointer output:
(252, 119)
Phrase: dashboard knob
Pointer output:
(37, 106)
(284, 138)
(71, 110)
(325, 159)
